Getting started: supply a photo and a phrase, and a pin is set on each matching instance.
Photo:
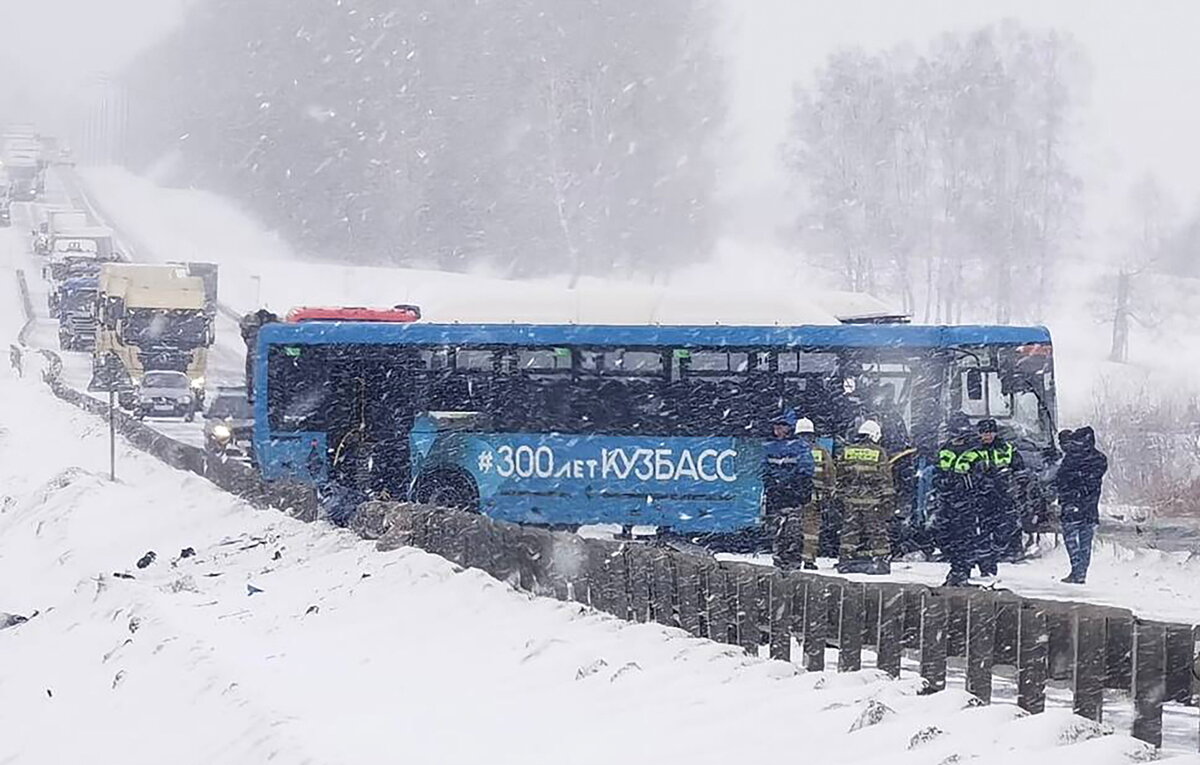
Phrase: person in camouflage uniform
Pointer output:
(824, 488)
(867, 492)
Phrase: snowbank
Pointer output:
(301, 644)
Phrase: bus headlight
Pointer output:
(222, 433)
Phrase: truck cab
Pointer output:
(77, 313)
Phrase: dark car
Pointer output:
(229, 424)
(165, 394)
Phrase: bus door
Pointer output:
(385, 389)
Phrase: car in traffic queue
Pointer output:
(164, 393)
(229, 424)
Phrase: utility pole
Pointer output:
(112, 436)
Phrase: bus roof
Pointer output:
(815, 336)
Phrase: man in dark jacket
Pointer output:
(956, 524)
(787, 488)
(1080, 478)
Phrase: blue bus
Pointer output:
(568, 425)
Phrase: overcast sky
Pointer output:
(1142, 113)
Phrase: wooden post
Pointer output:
(815, 625)
(747, 608)
(1032, 655)
(780, 609)
(597, 575)
(1118, 651)
(1149, 681)
(800, 585)
(850, 644)
(956, 623)
(704, 597)
(1008, 610)
(618, 583)
(687, 577)
(912, 618)
(980, 639)
(1059, 624)
(762, 603)
(640, 573)
(1180, 658)
(933, 640)
(1196, 669)
(833, 610)
(891, 628)
(1089, 668)
(664, 589)
(722, 605)
(871, 598)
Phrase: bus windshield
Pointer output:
(1013, 386)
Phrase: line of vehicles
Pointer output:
(147, 327)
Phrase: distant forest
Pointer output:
(536, 136)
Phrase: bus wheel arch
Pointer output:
(447, 487)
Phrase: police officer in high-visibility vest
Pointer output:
(956, 523)
(867, 493)
(824, 486)
(1001, 472)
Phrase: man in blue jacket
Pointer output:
(1080, 479)
(787, 488)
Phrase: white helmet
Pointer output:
(871, 430)
(804, 425)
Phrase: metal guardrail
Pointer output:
(233, 476)
(1089, 648)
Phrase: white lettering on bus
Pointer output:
(644, 464)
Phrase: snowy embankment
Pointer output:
(294, 643)
(301, 643)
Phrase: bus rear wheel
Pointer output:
(450, 491)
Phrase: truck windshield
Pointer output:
(180, 328)
(233, 406)
(73, 300)
(165, 380)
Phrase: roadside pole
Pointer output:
(107, 378)
(112, 436)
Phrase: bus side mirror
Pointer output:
(974, 385)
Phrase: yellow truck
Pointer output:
(152, 318)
